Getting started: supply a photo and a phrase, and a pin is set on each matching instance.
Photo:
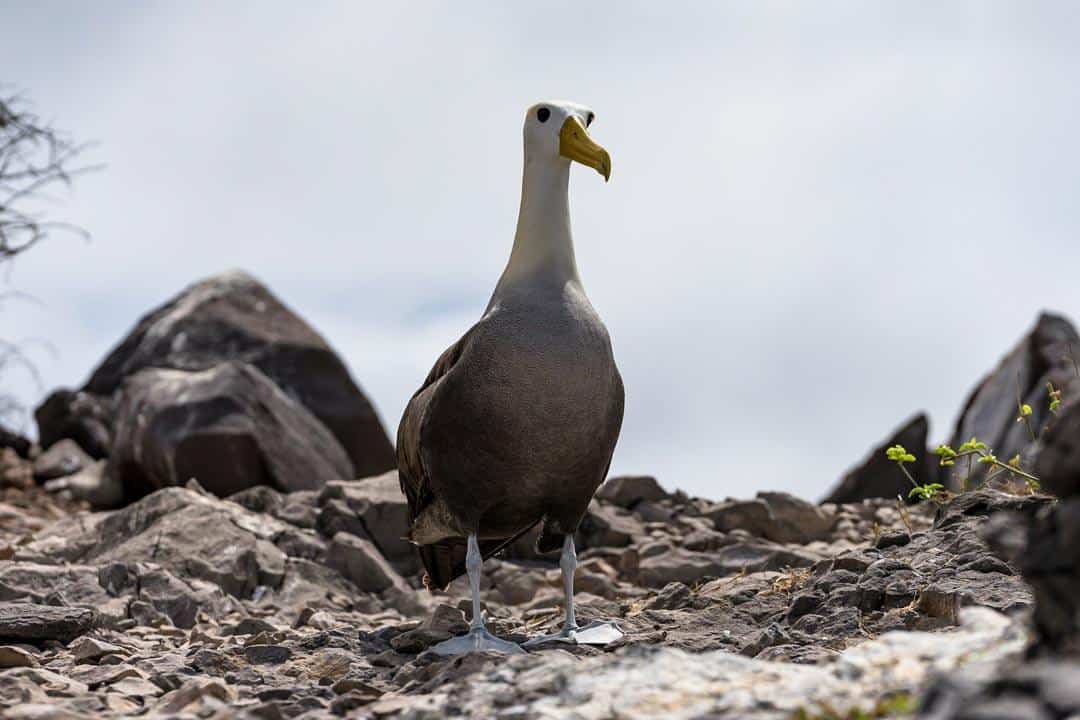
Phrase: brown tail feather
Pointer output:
(445, 560)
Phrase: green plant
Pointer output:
(1055, 397)
(976, 451)
(930, 491)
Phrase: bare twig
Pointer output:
(33, 157)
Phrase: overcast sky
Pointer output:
(821, 218)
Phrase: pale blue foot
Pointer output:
(598, 632)
(476, 640)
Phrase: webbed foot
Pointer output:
(598, 632)
(476, 640)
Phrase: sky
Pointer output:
(821, 219)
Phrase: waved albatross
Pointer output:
(517, 421)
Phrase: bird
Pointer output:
(517, 421)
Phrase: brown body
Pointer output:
(515, 424)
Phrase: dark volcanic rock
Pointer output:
(234, 317)
(80, 416)
(878, 477)
(776, 516)
(1043, 355)
(229, 427)
(25, 621)
(1058, 462)
(15, 441)
(629, 490)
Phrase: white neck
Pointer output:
(543, 253)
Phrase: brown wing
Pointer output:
(411, 472)
(445, 560)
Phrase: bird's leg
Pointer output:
(598, 632)
(568, 565)
(478, 638)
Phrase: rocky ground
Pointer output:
(193, 543)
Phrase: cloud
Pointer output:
(819, 221)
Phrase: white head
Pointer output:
(556, 131)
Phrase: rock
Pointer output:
(795, 520)
(628, 490)
(79, 416)
(26, 621)
(1058, 462)
(135, 687)
(892, 538)
(193, 536)
(665, 682)
(15, 656)
(63, 458)
(374, 508)
(607, 526)
(296, 508)
(267, 654)
(878, 477)
(446, 618)
(15, 441)
(228, 426)
(38, 583)
(776, 516)
(679, 565)
(1043, 355)
(250, 626)
(419, 639)
(233, 317)
(193, 693)
(88, 649)
(92, 484)
(359, 561)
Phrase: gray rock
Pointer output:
(878, 477)
(193, 536)
(93, 483)
(35, 582)
(63, 458)
(377, 510)
(229, 426)
(607, 526)
(628, 490)
(1058, 463)
(795, 520)
(267, 654)
(80, 416)
(234, 317)
(359, 561)
(1041, 356)
(88, 649)
(26, 621)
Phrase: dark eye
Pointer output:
(543, 114)
(588, 119)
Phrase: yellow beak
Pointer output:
(575, 144)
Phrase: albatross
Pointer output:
(517, 421)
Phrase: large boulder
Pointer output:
(229, 427)
(878, 477)
(1046, 354)
(228, 317)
